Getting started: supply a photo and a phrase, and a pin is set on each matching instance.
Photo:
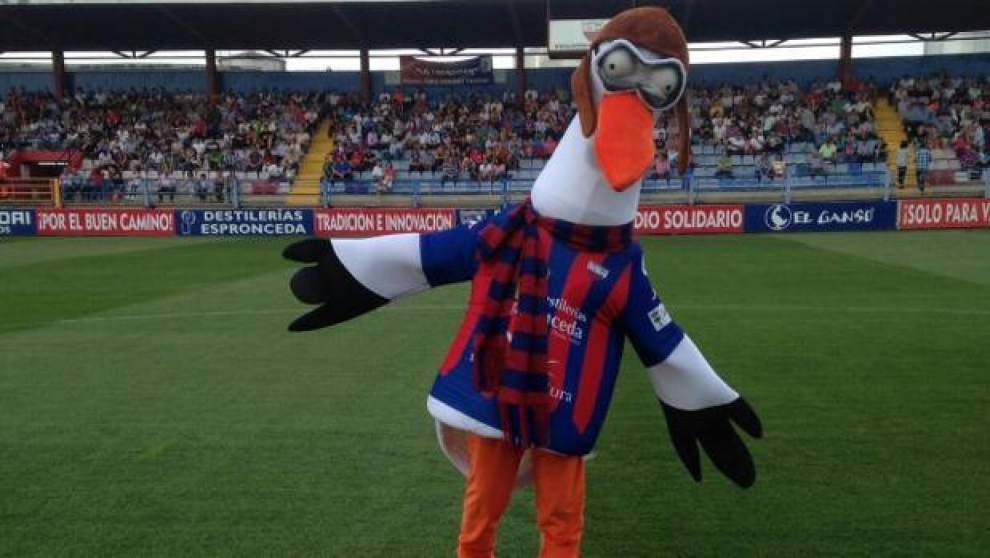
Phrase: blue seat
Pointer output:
(356, 188)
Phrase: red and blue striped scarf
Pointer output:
(511, 339)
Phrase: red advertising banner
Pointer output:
(365, 222)
(944, 214)
(690, 219)
(106, 222)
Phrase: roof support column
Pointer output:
(212, 76)
(59, 77)
(521, 78)
(845, 60)
(365, 75)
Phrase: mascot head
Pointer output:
(636, 68)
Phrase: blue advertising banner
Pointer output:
(471, 217)
(244, 222)
(18, 222)
(806, 217)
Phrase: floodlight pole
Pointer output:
(212, 76)
(845, 60)
(521, 80)
(365, 76)
(58, 74)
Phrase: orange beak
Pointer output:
(624, 138)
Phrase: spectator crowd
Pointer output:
(483, 138)
(476, 136)
(943, 112)
(179, 135)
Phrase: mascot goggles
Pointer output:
(660, 82)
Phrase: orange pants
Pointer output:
(560, 495)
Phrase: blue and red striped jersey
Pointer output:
(595, 301)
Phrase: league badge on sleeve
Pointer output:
(659, 317)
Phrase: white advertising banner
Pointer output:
(570, 38)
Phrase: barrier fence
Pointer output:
(229, 191)
(156, 191)
(28, 191)
(507, 189)
(338, 222)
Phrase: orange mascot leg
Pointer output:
(494, 463)
(560, 497)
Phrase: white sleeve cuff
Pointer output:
(390, 266)
(686, 381)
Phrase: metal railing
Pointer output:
(786, 186)
(30, 191)
(157, 192)
(507, 188)
(428, 190)
(419, 189)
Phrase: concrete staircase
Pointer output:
(891, 128)
(306, 188)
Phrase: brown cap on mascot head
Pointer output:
(653, 29)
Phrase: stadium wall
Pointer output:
(30, 81)
(883, 69)
(244, 82)
(889, 69)
(180, 80)
(650, 220)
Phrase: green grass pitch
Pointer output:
(152, 404)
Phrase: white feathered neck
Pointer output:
(573, 188)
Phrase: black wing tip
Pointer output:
(746, 418)
(696, 475)
(742, 476)
(306, 251)
(747, 481)
(307, 286)
(303, 325)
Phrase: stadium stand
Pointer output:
(456, 143)
(744, 137)
(127, 136)
(950, 115)
(160, 146)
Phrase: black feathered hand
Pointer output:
(329, 284)
(712, 428)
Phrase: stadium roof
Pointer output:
(39, 25)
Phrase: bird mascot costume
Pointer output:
(557, 285)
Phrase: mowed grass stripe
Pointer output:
(217, 301)
(960, 254)
(186, 428)
(769, 271)
(868, 416)
(73, 287)
(228, 436)
(459, 309)
(4, 240)
(21, 251)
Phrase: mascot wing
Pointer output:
(700, 409)
(699, 406)
(352, 277)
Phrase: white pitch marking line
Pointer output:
(422, 308)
